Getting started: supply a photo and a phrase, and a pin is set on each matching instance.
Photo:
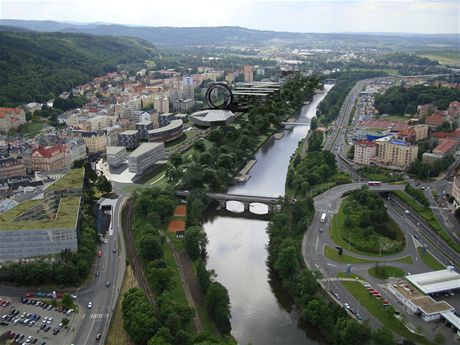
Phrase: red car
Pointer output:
(99, 253)
(29, 294)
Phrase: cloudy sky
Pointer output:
(415, 16)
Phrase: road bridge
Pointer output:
(245, 199)
(289, 124)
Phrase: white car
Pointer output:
(90, 304)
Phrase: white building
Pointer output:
(145, 156)
(116, 155)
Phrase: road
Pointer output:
(111, 267)
(314, 241)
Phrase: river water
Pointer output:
(262, 314)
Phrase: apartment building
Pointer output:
(396, 153)
(248, 73)
(11, 167)
(129, 139)
(50, 158)
(365, 150)
(11, 118)
(161, 104)
(183, 105)
(95, 141)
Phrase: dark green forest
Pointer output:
(398, 100)
(39, 66)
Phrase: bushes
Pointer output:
(418, 195)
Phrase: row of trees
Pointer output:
(285, 231)
(330, 106)
(398, 100)
(426, 170)
(315, 168)
(69, 269)
(213, 167)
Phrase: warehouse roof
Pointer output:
(435, 281)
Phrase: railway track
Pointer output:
(131, 252)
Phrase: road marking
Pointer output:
(100, 316)
(158, 179)
(316, 245)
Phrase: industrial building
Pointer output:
(167, 133)
(116, 155)
(145, 156)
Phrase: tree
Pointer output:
(287, 261)
(65, 321)
(160, 278)
(176, 159)
(151, 247)
(103, 184)
(67, 301)
(383, 336)
(199, 146)
(204, 276)
(218, 304)
(195, 242)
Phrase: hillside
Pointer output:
(234, 35)
(38, 66)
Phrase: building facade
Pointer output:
(183, 105)
(143, 128)
(167, 133)
(456, 191)
(129, 139)
(116, 155)
(145, 156)
(365, 150)
(50, 158)
(248, 73)
(396, 153)
(11, 118)
(11, 167)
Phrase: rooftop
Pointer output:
(172, 125)
(73, 179)
(445, 145)
(435, 281)
(430, 306)
(129, 132)
(399, 142)
(113, 150)
(66, 216)
(214, 115)
(384, 124)
(144, 148)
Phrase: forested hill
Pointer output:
(38, 66)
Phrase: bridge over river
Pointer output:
(270, 202)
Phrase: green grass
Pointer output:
(429, 260)
(34, 127)
(444, 58)
(385, 272)
(375, 307)
(427, 214)
(73, 179)
(333, 254)
(335, 232)
(177, 292)
(66, 216)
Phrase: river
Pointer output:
(262, 314)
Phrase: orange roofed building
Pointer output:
(11, 118)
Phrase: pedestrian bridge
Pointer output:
(245, 199)
(292, 124)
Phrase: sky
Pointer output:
(411, 16)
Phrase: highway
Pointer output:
(111, 267)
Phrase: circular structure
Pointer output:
(213, 91)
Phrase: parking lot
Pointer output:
(32, 321)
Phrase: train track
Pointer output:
(131, 252)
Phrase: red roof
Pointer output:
(435, 119)
(6, 111)
(365, 143)
(454, 134)
(50, 151)
(445, 145)
(385, 124)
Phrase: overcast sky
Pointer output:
(417, 16)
